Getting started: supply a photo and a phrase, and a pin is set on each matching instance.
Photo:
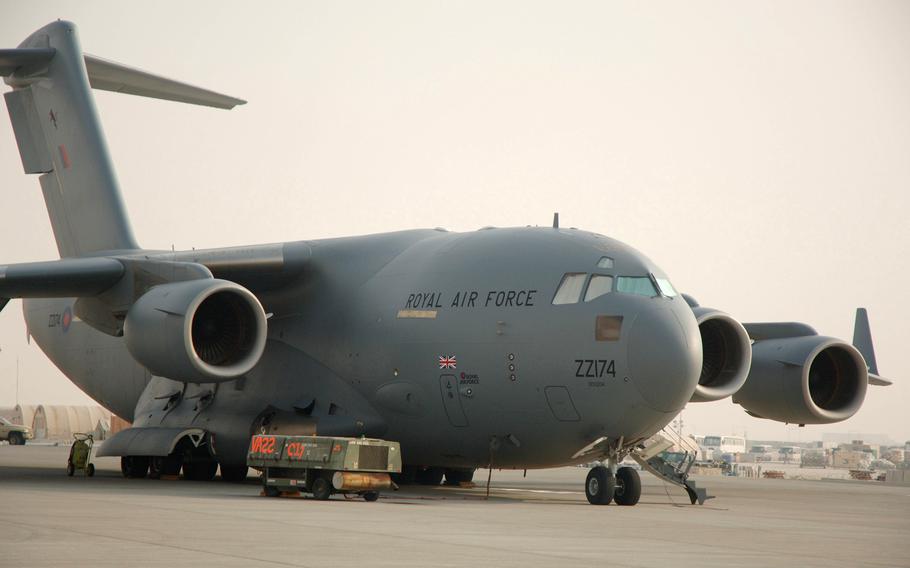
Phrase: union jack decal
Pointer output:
(447, 362)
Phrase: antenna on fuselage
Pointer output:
(556, 220)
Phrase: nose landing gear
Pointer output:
(603, 486)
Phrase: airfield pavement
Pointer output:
(48, 519)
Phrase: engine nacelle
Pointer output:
(197, 330)
(804, 380)
(726, 355)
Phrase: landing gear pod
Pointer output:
(198, 330)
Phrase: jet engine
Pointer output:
(726, 355)
(206, 330)
(804, 380)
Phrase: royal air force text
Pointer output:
(472, 299)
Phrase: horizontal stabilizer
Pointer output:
(778, 330)
(111, 76)
(67, 278)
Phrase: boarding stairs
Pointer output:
(670, 456)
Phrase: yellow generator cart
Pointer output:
(81, 455)
(324, 465)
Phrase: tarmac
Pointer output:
(48, 519)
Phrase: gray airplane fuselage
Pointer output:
(442, 341)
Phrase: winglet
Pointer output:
(862, 340)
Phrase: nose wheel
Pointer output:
(628, 487)
(602, 486)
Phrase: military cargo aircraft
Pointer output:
(514, 348)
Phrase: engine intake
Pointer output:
(804, 380)
(726, 355)
(198, 330)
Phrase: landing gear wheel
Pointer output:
(407, 476)
(599, 486)
(155, 467)
(322, 489)
(134, 467)
(459, 476)
(234, 473)
(370, 496)
(200, 470)
(160, 466)
(430, 476)
(90, 470)
(70, 469)
(628, 487)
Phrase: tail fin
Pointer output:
(862, 340)
(60, 137)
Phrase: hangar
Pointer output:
(59, 422)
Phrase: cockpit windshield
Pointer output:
(666, 288)
(638, 285)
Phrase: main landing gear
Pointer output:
(602, 486)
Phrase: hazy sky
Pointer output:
(759, 152)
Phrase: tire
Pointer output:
(599, 486)
(234, 473)
(459, 476)
(271, 491)
(134, 467)
(155, 467)
(70, 469)
(371, 496)
(90, 470)
(628, 487)
(430, 476)
(407, 476)
(322, 489)
(200, 470)
(16, 439)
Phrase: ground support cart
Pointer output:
(324, 465)
(81, 455)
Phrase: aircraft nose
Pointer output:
(665, 357)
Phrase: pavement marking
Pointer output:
(545, 491)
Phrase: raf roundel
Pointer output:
(67, 318)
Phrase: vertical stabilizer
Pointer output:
(59, 136)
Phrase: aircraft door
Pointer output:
(451, 400)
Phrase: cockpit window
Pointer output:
(666, 288)
(639, 285)
(605, 262)
(570, 288)
(598, 286)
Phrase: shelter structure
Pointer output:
(59, 422)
